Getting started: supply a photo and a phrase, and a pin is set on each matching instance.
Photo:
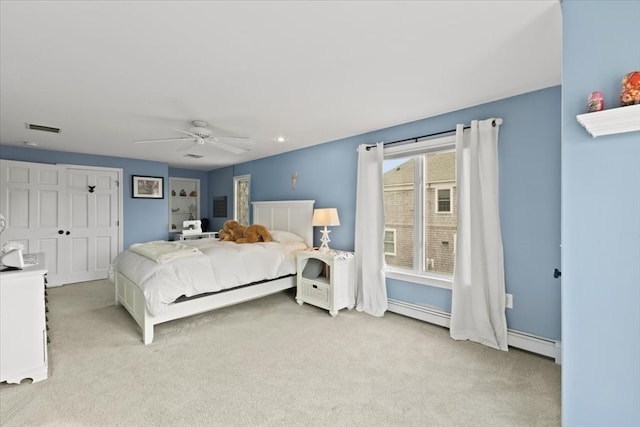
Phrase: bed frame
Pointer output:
(294, 216)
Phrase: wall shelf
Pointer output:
(609, 122)
(185, 207)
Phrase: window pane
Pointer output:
(399, 209)
(388, 247)
(440, 224)
(389, 242)
(444, 200)
(434, 198)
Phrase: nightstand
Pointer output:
(326, 279)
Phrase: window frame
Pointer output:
(416, 149)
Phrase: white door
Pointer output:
(92, 227)
(50, 209)
(32, 199)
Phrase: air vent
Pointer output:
(43, 128)
(193, 156)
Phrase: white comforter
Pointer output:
(221, 265)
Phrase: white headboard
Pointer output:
(287, 215)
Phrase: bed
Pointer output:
(137, 276)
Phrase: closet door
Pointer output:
(32, 199)
(92, 214)
(70, 213)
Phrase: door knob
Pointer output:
(556, 273)
(67, 233)
(60, 232)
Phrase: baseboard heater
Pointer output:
(518, 339)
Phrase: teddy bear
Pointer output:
(255, 233)
(231, 231)
(225, 236)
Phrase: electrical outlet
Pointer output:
(509, 301)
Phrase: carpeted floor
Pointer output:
(271, 362)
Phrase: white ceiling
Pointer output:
(109, 73)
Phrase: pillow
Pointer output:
(294, 247)
(285, 236)
(313, 268)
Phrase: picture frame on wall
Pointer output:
(147, 187)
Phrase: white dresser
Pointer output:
(23, 330)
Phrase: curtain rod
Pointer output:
(416, 138)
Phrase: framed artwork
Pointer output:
(147, 187)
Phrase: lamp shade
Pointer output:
(326, 217)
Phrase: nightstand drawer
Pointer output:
(315, 293)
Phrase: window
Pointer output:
(420, 211)
(241, 198)
(389, 242)
(443, 200)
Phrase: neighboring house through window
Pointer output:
(241, 185)
(420, 211)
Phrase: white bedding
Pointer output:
(222, 265)
(161, 251)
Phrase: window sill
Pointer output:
(443, 282)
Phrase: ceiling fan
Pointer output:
(201, 134)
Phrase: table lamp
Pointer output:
(325, 217)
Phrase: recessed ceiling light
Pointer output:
(280, 139)
(30, 144)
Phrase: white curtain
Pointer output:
(478, 296)
(371, 289)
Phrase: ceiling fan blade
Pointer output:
(149, 141)
(227, 147)
(233, 136)
(192, 135)
(242, 141)
(187, 146)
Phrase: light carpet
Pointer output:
(271, 362)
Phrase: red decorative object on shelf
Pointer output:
(596, 102)
(630, 93)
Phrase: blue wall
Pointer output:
(529, 150)
(600, 222)
(144, 219)
(221, 184)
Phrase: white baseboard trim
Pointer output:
(518, 339)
